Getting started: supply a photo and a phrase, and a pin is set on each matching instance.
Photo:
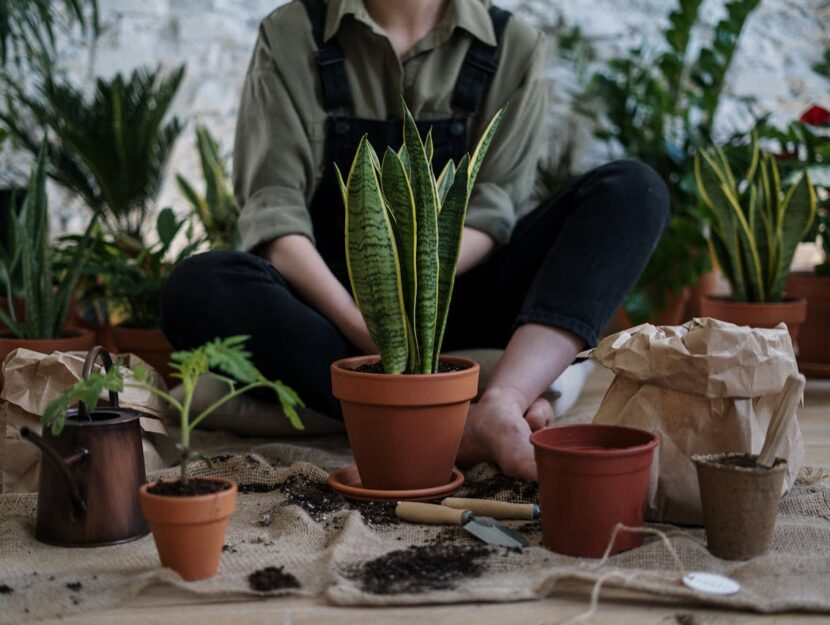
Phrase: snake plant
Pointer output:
(756, 224)
(403, 237)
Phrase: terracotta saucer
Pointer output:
(814, 369)
(346, 481)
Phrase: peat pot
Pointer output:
(740, 503)
(189, 530)
(793, 312)
(90, 475)
(404, 430)
(592, 477)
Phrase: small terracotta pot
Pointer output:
(814, 337)
(149, 345)
(405, 430)
(740, 504)
(592, 477)
(73, 341)
(758, 314)
(189, 531)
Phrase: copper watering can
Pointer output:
(90, 474)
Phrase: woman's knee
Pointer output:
(643, 194)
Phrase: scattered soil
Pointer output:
(377, 367)
(272, 578)
(193, 488)
(317, 499)
(685, 618)
(257, 487)
(6, 590)
(376, 512)
(419, 569)
(75, 586)
(499, 484)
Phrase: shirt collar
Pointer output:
(471, 15)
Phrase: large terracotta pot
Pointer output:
(793, 312)
(814, 338)
(189, 531)
(149, 345)
(707, 284)
(405, 430)
(73, 341)
(671, 315)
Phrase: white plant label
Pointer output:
(711, 584)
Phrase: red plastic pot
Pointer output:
(592, 477)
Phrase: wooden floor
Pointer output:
(166, 606)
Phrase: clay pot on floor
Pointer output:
(814, 337)
(671, 315)
(740, 504)
(404, 430)
(149, 345)
(592, 477)
(706, 286)
(793, 312)
(189, 531)
(72, 341)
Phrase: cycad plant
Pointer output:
(110, 150)
(216, 209)
(403, 236)
(756, 224)
(32, 258)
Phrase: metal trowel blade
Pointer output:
(493, 533)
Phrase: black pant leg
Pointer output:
(569, 263)
(226, 293)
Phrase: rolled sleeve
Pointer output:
(272, 213)
(491, 211)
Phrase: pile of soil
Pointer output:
(500, 484)
(194, 487)
(6, 590)
(420, 568)
(376, 512)
(377, 367)
(317, 499)
(272, 578)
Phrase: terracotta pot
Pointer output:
(149, 345)
(814, 337)
(405, 430)
(671, 315)
(73, 341)
(592, 477)
(707, 284)
(740, 505)
(189, 531)
(758, 314)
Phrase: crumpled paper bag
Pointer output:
(704, 387)
(32, 381)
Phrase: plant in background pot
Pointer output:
(405, 412)
(46, 296)
(756, 227)
(189, 515)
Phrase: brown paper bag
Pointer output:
(704, 387)
(32, 381)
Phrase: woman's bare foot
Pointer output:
(497, 431)
(540, 414)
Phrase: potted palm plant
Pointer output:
(756, 226)
(45, 307)
(189, 515)
(405, 409)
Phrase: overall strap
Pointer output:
(479, 66)
(331, 62)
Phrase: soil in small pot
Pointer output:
(746, 461)
(193, 488)
(377, 367)
(272, 578)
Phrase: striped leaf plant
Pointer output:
(403, 237)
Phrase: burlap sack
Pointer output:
(704, 387)
(32, 381)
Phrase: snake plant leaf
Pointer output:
(799, 210)
(450, 229)
(444, 182)
(429, 147)
(426, 253)
(372, 261)
(401, 203)
(482, 147)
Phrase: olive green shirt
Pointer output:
(279, 156)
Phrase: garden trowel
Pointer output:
(483, 528)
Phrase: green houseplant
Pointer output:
(756, 226)
(188, 516)
(40, 326)
(216, 210)
(403, 235)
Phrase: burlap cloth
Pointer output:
(324, 543)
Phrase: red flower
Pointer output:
(816, 116)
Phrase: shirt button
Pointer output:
(457, 129)
(341, 127)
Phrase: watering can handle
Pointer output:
(91, 357)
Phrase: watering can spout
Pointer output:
(61, 464)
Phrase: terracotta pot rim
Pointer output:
(171, 500)
(787, 302)
(715, 461)
(340, 367)
(809, 275)
(604, 453)
(68, 334)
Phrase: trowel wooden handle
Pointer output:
(780, 421)
(494, 509)
(429, 513)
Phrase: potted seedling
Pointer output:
(756, 226)
(189, 515)
(39, 323)
(405, 409)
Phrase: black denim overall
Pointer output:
(344, 132)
